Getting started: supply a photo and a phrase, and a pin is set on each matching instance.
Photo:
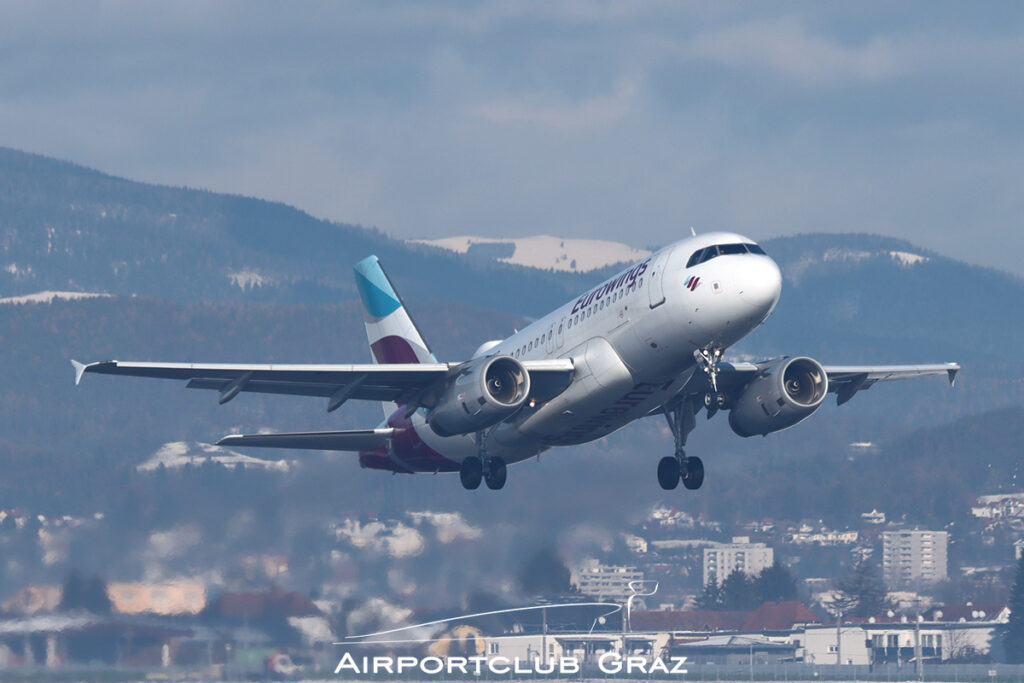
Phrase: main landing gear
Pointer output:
(672, 469)
(491, 471)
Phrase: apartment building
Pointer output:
(723, 559)
(913, 556)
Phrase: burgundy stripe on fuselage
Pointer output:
(409, 449)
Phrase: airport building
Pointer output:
(723, 559)
(911, 557)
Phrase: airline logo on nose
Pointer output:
(691, 283)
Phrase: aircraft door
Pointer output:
(550, 345)
(560, 334)
(656, 288)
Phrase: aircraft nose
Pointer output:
(760, 283)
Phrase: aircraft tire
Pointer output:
(693, 473)
(470, 473)
(668, 472)
(497, 472)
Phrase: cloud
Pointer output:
(785, 47)
(555, 111)
(623, 121)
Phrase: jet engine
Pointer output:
(779, 397)
(485, 392)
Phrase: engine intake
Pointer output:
(486, 391)
(779, 397)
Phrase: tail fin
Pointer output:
(391, 332)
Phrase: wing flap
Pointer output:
(373, 382)
(351, 440)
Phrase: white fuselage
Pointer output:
(632, 341)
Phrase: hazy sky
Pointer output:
(627, 121)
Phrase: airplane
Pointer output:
(648, 341)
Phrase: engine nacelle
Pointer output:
(779, 397)
(486, 392)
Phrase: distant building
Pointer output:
(636, 544)
(166, 598)
(873, 517)
(771, 616)
(999, 506)
(723, 559)
(33, 599)
(735, 649)
(824, 537)
(1018, 549)
(606, 582)
(913, 556)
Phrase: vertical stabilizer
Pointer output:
(390, 330)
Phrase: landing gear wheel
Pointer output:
(692, 473)
(470, 473)
(496, 474)
(668, 473)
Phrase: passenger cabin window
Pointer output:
(708, 253)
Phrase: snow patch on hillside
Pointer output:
(181, 453)
(18, 271)
(907, 259)
(48, 297)
(846, 255)
(794, 270)
(547, 252)
(247, 279)
(450, 526)
(397, 540)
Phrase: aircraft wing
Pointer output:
(351, 440)
(405, 383)
(844, 380)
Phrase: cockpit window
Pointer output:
(702, 255)
(708, 253)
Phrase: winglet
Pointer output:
(79, 370)
(954, 368)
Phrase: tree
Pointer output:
(711, 597)
(1013, 636)
(544, 573)
(861, 592)
(775, 584)
(958, 647)
(738, 592)
(87, 594)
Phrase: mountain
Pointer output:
(194, 275)
(65, 227)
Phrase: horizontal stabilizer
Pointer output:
(79, 370)
(352, 440)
